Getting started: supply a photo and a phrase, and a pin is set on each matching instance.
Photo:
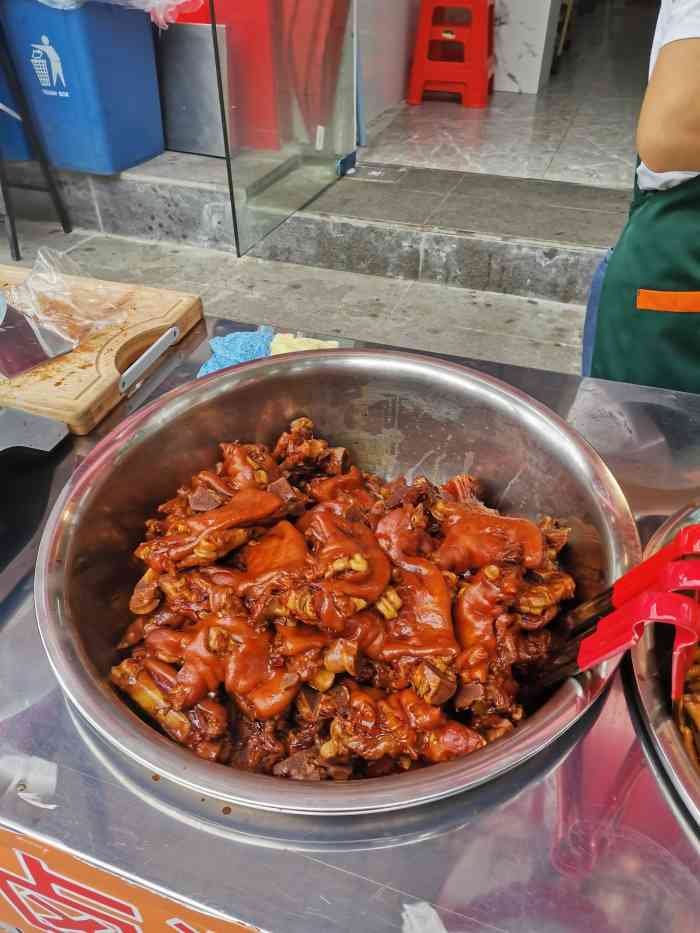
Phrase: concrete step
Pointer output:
(481, 325)
(490, 233)
(415, 315)
(176, 197)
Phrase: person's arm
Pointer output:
(668, 135)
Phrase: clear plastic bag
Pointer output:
(57, 297)
(162, 12)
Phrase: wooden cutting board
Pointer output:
(82, 387)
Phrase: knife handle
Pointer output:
(148, 358)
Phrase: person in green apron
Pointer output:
(643, 318)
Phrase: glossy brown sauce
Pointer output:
(301, 618)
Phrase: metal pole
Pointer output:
(224, 124)
(17, 92)
(9, 213)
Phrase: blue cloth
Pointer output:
(591, 325)
(239, 347)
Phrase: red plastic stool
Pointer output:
(454, 51)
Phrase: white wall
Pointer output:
(525, 35)
(387, 32)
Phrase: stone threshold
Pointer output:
(174, 198)
(488, 233)
(506, 265)
(515, 236)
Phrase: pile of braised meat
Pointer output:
(301, 618)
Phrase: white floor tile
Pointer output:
(580, 129)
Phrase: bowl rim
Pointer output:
(651, 688)
(132, 737)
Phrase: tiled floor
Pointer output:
(416, 315)
(580, 129)
(556, 212)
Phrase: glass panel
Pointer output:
(288, 70)
(189, 89)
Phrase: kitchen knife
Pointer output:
(25, 343)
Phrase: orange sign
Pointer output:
(42, 888)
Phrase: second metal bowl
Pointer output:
(651, 666)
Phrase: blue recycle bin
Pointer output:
(13, 143)
(88, 70)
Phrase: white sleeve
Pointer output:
(682, 21)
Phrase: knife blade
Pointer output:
(25, 343)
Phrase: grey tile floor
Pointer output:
(580, 129)
(417, 315)
(492, 205)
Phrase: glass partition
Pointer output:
(286, 75)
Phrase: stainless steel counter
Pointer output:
(582, 838)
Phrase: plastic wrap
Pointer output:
(54, 294)
(162, 12)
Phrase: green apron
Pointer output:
(649, 315)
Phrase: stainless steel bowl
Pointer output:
(651, 666)
(397, 413)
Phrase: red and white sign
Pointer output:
(46, 889)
